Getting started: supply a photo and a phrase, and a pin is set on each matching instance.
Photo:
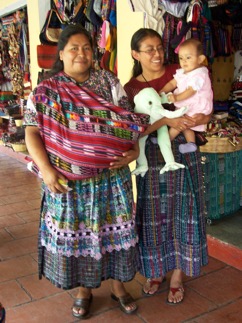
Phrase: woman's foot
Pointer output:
(176, 292)
(152, 285)
(119, 294)
(82, 303)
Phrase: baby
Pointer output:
(192, 88)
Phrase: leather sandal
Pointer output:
(174, 290)
(153, 282)
(82, 303)
(125, 301)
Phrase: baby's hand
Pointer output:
(171, 98)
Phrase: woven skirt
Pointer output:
(89, 234)
(170, 215)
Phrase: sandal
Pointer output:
(153, 282)
(82, 303)
(124, 301)
(174, 290)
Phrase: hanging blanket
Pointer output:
(81, 131)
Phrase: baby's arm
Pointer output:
(169, 87)
(189, 92)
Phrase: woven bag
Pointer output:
(52, 28)
(46, 55)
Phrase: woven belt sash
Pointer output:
(82, 132)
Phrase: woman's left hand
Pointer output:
(124, 160)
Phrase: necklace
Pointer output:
(146, 80)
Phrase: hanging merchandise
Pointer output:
(106, 8)
(6, 21)
(52, 28)
(91, 14)
(221, 37)
(46, 55)
(237, 37)
(70, 11)
(181, 29)
(15, 68)
(97, 7)
(169, 33)
(113, 14)
(177, 9)
(49, 35)
(153, 16)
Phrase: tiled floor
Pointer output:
(216, 296)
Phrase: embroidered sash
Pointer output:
(81, 131)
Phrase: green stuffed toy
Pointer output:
(148, 101)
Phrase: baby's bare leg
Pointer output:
(173, 133)
(189, 135)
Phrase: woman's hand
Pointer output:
(126, 158)
(52, 178)
(181, 123)
(200, 118)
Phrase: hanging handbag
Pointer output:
(70, 11)
(52, 28)
(46, 56)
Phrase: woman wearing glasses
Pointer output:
(170, 209)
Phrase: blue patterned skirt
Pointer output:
(88, 234)
(170, 215)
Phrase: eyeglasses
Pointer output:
(152, 51)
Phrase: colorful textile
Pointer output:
(170, 213)
(88, 234)
(153, 15)
(91, 223)
(82, 131)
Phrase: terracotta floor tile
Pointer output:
(34, 256)
(9, 220)
(17, 267)
(48, 310)
(24, 230)
(4, 237)
(12, 294)
(34, 203)
(220, 287)
(18, 248)
(21, 206)
(18, 197)
(30, 215)
(154, 309)
(213, 264)
(6, 210)
(8, 190)
(114, 316)
(230, 313)
(38, 288)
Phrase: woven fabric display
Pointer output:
(46, 55)
(81, 130)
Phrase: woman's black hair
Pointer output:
(68, 31)
(136, 41)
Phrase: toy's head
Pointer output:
(148, 98)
